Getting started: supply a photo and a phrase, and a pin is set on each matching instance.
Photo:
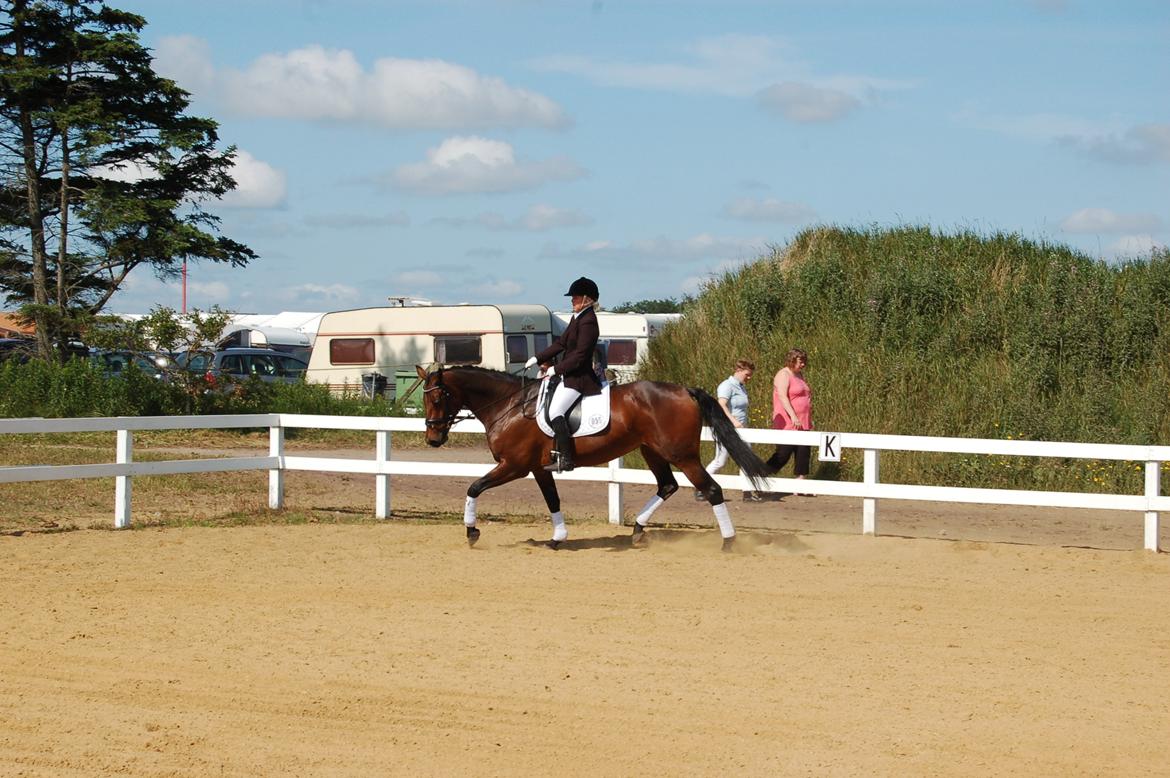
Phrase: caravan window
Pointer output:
(351, 351)
(622, 352)
(457, 349)
(517, 348)
(540, 340)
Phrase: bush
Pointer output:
(77, 388)
(914, 332)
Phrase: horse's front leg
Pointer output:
(548, 487)
(500, 474)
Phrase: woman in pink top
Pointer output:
(791, 410)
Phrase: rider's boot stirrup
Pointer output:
(563, 446)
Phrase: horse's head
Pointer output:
(442, 402)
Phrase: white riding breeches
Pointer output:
(716, 464)
(562, 400)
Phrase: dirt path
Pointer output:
(392, 649)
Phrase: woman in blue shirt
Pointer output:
(733, 398)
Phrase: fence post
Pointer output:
(382, 480)
(276, 477)
(122, 485)
(615, 492)
(1153, 482)
(870, 475)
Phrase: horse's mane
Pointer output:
(487, 372)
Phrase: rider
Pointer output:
(576, 346)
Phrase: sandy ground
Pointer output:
(393, 649)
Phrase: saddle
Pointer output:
(588, 416)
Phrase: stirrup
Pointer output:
(558, 464)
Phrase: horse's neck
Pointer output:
(484, 396)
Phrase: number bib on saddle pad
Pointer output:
(588, 416)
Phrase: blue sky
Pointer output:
(492, 152)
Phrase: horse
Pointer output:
(662, 420)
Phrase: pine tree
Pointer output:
(101, 169)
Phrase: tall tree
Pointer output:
(101, 169)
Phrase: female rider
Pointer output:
(575, 368)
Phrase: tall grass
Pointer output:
(910, 331)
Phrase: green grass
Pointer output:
(914, 332)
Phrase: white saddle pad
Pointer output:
(593, 410)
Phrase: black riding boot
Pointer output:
(563, 445)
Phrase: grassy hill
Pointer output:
(910, 331)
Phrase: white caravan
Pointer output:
(376, 349)
(625, 337)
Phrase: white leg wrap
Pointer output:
(648, 510)
(560, 532)
(724, 520)
(469, 512)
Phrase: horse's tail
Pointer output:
(724, 431)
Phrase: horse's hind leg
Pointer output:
(548, 487)
(667, 485)
(698, 475)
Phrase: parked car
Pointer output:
(19, 349)
(115, 362)
(240, 364)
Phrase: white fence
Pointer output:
(382, 466)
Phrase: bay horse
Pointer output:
(662, 420)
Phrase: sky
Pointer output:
(471, 151)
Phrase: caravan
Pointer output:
(625, 338)
(376, 349)
(291, 332)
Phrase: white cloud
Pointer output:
(735, 65)
(1105, 139)
(258, 184)
(805, 103)
(738, 66)
(1036, 126)
(344, 221)
(768, 210)
(319, 84)
(1142, 144)
(312, 297)
(538, 218)
(662, 251)
(215, 292)
(1097, 220)
(1133, 246)
(128, 172)
(187, 60)
(418, 278)
(461, 165)
(455, 281)
(493, 288)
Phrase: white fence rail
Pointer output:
(382, 466)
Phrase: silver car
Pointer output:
(241, 364)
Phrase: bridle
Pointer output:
(449, 417)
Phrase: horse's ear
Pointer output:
(422, 373)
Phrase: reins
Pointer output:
(450, 419)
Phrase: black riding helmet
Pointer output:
(583, 286)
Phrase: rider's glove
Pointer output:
(530, 363)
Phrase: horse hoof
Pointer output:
(472, 536)
(553, 544)
(639, 536)
(728, 544)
